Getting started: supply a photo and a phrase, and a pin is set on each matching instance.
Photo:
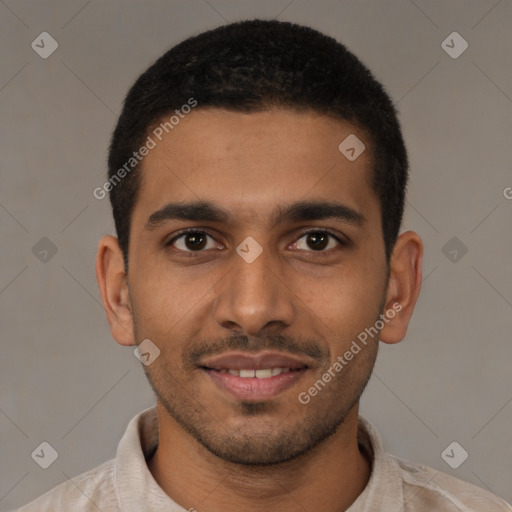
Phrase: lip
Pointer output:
(254, 389)
(257, 361)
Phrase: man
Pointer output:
(257, 176)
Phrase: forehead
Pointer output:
(250, 163)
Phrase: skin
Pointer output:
(216, 452)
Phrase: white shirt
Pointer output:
(125, 484)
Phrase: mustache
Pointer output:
(248, 344)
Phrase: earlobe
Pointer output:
(403, 287)
(113, 285)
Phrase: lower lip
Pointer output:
(255, 389)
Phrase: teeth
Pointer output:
(263, 373)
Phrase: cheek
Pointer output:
(166, 304)
(158, 304)
(346, 297)
(344, 307)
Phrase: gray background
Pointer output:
(65, 381)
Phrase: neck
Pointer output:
(329, 477)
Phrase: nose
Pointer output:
(253, 296)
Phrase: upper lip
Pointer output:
(254, 361)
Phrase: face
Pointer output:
(252, 281)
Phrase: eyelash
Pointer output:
(343, 243)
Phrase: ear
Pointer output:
(113, 285)
(403, 287)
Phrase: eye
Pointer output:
(191, 241)
(319, 240)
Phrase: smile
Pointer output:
(250, 373)
(250, 385)
(255, 376)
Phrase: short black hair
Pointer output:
(251, 66)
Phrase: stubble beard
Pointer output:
(278, 443)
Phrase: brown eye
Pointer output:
(195, 241)
(191, 241)
(318, 241)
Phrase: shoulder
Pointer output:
(425, 488)
(416, 487)
(85, 493)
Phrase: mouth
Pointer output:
(255, 377)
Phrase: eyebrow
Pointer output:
(202, 211)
